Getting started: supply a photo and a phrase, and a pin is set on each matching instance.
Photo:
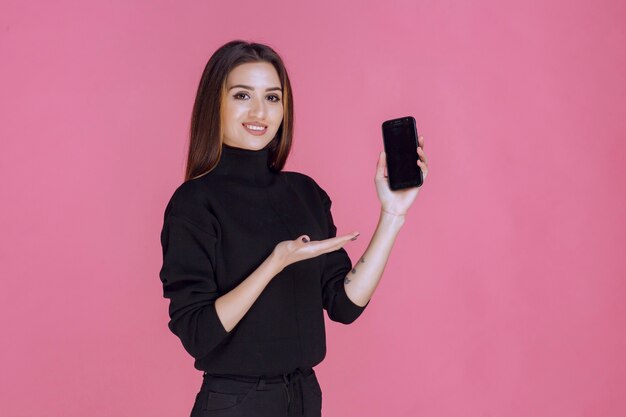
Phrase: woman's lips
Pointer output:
(255, 132)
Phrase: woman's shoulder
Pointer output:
(306, 183)
(299, 178)
(190, 200)
(188, 192)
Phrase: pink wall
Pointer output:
(504, 295)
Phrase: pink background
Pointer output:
(505, 293)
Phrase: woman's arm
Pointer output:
(232, 306)
(361, 282)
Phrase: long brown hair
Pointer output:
(205, 135)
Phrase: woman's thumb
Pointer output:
(304, 238)
(380, 165)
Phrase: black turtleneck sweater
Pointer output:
(217, 230)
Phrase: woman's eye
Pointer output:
(240, 96)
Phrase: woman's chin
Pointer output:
(253, 143)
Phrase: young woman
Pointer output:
(250, 253)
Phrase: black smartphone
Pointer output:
(400, 141)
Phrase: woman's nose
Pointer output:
(257, 108)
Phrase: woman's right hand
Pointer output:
(291, 251)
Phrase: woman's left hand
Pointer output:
(398, 202)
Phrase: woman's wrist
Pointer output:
(275, 263)
(391, 213)
(391, 219)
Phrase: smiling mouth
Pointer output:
(255, 127)
(255, 130)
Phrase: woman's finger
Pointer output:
(299, 242)
(422, 155)
(380, 165)
(333, 243)
(340, 239)
(424, 168)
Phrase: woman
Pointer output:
(250, 253)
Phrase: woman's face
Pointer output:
(253, 99)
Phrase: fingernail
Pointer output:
(354, 238)
(305, 240)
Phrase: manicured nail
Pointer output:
(305, 240)
(354, 238)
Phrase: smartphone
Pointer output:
(400, 142)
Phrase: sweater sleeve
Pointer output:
(188, 277)
(339, 306)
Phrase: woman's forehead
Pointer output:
(253, 74)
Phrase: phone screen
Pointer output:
(400, 141)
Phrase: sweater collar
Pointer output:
(246, 164)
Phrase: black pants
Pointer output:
(290, 395)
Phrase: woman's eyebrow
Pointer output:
(251, 88)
